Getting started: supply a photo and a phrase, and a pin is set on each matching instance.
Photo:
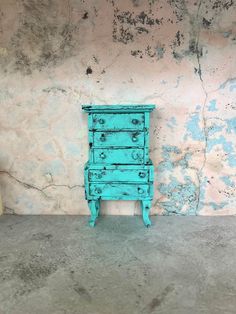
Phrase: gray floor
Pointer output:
(58, 265)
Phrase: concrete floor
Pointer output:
(58, 265)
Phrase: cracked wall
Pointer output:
(57, 55)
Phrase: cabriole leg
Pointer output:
(146, 206)
(98, 206)
(94, 209)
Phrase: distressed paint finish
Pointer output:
(129, 139)
(114, 122)
(118, 155)
(56, 55)
(112, 173)
(121, 175)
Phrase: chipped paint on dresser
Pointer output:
(119, 167)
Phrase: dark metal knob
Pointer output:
(99, 175)
(102, 155)
(140, 191)
(134, 138)
(142, 174)
(98, 190)
(101, 121)
(135, 121)
(103, 138)
(136, 156)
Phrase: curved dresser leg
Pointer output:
(94, 212)
(146, 206)
(98, 204)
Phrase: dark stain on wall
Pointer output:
(178, 40)
(89, 70)
(206, 23)
(40, 40)
(179, 9)
(85, 16)
(127, 26)
(137, 53)
(211, 9)
(150, 52)
(219, 4)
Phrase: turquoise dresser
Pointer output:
(119, 167)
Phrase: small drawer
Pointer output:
(120, 175)
(112, 139)
(119, 191)
(118, 156)
(122, 121)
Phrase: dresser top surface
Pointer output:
(118, 108)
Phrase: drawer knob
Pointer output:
(136, 155)
(102, 155)
(98, 190)
(142, 174)
(103, 138)
(101, 121)
(98, 175)
(134, 138)
(135, 121)
(140, 191)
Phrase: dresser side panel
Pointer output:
(146, 136)
(90, 137)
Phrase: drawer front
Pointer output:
(118, 156)
(125, 139)
(119, 191)
(126, 175)
(122, 121)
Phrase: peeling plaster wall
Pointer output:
(56, 55)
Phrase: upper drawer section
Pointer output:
(115, 139)
(122, 121)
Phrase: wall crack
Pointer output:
(41, 190)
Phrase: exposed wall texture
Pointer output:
(56, 55)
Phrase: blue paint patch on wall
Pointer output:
(231, 125)
(194, 130)
(202, 193)
(184, 161)
(227, 147)
(228, 82)
(212, 105)
(179, 194)
(232, 88)
(227, 180)
(168, 149)
(215, 129)
(216, 206)
(167, 164)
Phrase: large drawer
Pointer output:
(122, 121)
(125, 139)
(119, 191)
(118, 156)
(120, 175)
